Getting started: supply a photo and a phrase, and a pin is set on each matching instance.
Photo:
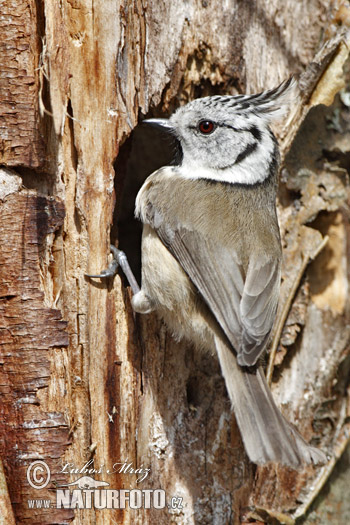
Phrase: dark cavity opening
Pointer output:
(146, 150)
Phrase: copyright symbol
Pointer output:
(38, 474)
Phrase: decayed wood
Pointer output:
(29, 330)
(318, 313)
(21, 140)
(124, 388)
(7, 516)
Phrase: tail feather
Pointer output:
(266, 434)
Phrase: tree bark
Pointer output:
(83, 380)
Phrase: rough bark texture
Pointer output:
(20, 142)
(28, 330)
(82, 378)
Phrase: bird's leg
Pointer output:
(140, 302)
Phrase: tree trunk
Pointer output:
(88, 387)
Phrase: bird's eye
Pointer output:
(206, 127)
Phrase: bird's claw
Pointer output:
(113, 266)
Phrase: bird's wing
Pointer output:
(244, 303)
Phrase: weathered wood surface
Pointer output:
(21, 140)
(31, 425)
(123, 388)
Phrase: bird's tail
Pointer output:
(266, 434)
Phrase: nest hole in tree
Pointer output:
(146, 150)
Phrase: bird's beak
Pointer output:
(160, 123)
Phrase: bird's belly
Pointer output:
(172, 294)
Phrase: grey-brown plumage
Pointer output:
(222, 251)
(182, 255)
(211, 253)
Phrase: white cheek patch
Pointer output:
(254, 168)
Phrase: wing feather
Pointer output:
(242, 299)
(244, 306)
